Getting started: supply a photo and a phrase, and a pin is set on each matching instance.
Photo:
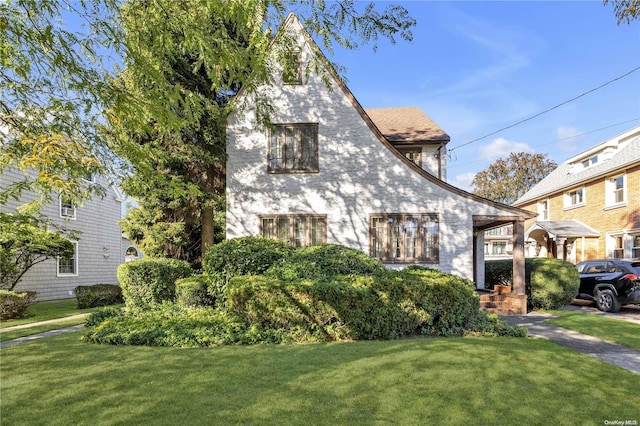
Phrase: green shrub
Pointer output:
(549, 283)
(14, 305)
(98, 295)
(168, 325)
(193, 291)
(151, 281)
(325, 260)
(554, 283)
(241, 256)
(101, 315)
(388, 305)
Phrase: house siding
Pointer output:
(99, 244)
(622, 220)
(358, 176)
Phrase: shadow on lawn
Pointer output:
(416, 381)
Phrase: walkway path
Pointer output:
(611, 353)
(44, 334)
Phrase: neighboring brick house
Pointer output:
(589, 207)
(98, 251)
(328, 171)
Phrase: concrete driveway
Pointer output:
(628, 312)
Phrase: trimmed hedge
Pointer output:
(14, 305)
(325, 260)
(150, 281)
(98, 295)
(193, 291)
(241, 256)
(550, 283)
(388, 305)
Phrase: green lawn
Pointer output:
(470, 381)
(614, 330)
(43, 311)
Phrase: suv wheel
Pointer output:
(607, 301)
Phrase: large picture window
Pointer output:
(404, 237)
(293, 148)
(297, 230)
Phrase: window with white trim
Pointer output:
(297, 230)
(67, 209)
(404, 237)
(68, 265)
(618, 247)
(616, 190)
(635, 246)
(543, 210)
(293, 148)
(574, 198)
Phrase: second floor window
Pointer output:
(574, 198)
(293, 148)
(616, 190)
(292, 70)
(543, 210)
(67, 209)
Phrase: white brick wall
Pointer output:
(99, 246)
(358, 176)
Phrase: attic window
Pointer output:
(292, 72)
(415, 155)
(590, 161)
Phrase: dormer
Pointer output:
(600, 154)
(415, 135)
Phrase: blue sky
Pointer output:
(477, 67)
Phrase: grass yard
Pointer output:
(614, 330)
(477, 381)
(42, 311)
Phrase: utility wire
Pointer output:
(547, 110)
(562, 139)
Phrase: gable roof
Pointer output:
(406, 124)
(619, 153)
(292, 20)
(564, 228)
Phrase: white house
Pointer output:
(326, 170)
(98, 250)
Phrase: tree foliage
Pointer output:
(625, 10)
(507, 179)
(24, 242)
(184, 65)
(52, 86)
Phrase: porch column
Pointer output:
(518, 257)
(479, 260)
(560, 247)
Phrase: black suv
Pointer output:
(610, 282)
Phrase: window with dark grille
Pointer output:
(293, 148)
(298, 230)
(404, 237)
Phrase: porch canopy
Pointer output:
(556, 235)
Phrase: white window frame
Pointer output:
(611, 191)
(541, 211)
(75, 263)
(67, 209)
(569, 199)
(635, 245)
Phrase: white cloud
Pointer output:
(501, 147)
(567, 138)
(463, 181)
